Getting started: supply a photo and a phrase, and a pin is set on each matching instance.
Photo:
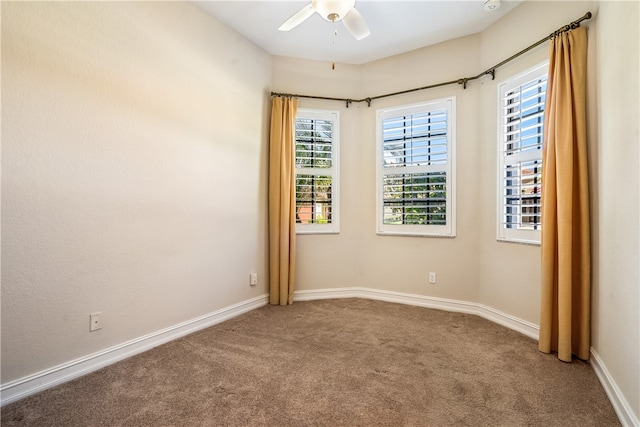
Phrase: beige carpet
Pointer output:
(349, 362)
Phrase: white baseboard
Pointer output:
(618, 401)
(18, 389)
(526, 328)
(23, 387)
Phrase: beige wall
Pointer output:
(133, 174)
(616, 287)
(403, 263)
(473, 266)
(357, 256)
(509, 272)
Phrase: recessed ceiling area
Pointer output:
(396, 26)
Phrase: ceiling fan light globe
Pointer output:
(329, 8)
(356, 25)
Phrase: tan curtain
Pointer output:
(282, 201)
(566, 267)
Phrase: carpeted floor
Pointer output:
(345, 362)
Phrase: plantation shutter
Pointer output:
(416, 176)
(316, 171)
(522, 127)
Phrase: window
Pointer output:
(415, 169)
(317, 171)
(520, 141)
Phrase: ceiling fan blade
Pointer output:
(298, 18)
(356, 24)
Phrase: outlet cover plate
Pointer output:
(95, 320)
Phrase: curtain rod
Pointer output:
(463, 81)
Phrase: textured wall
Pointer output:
(357, 256)
(133, 174)
(616, 292)
(473, 266)
(510, 272)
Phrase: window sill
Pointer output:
(312, 232)
(519, 241)
(399, 234)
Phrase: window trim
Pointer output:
(531, 237)
(334, 171)
(428, 230)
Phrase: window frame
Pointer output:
(418, 230)
(504, 234)
(334, 171)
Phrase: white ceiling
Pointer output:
(396, 26)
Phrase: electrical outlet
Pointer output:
(432, 277)
(253, 279)
(95, 320)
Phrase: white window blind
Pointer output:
(415, 169)
(317, 171)
(521, 137)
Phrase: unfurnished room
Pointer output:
(320, 213)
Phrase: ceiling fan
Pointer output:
(332, 11)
